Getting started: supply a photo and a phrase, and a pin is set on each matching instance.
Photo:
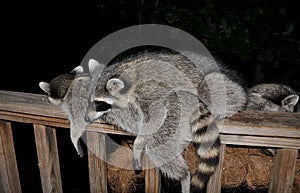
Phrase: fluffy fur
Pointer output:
(71, 92)
(168, 101)
(273, 97)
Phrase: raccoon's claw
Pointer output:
(80, 151)
(137, 166)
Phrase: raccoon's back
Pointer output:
(273, 92)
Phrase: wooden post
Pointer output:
(46, 146)
(152, 179)
(214, 184)
(9, 175)
(283, 171)
(97, 162)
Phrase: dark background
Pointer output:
(258, 38)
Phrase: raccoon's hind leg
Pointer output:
(138, 152)
(176, 169)
(147, 130)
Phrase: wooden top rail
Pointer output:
(254, 128)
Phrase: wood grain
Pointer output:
(249, 128)
(283, 171)
(34, 108)
(260, 141)
(9, 175)
(96, 143)
(47, 151)
(152, 179)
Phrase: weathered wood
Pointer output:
(227, 136)
(260, 141)
(28, 103)
(58, 122)
(96, 144)
(9, 175)
(251, 128)
(283, 171)
(152, 178)
(27, 107)
(47, 151)
(273, 123)
(214, 184)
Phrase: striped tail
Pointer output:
(207, 143)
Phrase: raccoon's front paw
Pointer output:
(137, 165)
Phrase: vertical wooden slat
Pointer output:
(214, 184)
(283, 171)
(152, 179)
(9, 175)
(47, 151)
(96, 144)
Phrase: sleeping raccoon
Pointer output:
(71, 92)
(167, 102)
(272, 97)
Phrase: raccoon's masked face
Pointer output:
(114, 96)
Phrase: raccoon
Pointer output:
(165, 100)
(273, 97)
(71, 91)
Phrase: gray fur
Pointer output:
(161, 97)
(71, 92)
(164, 98)
(273, 97)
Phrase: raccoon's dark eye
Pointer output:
(102, 106)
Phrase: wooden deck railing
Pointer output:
(249, 128)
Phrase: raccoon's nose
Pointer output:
(102, 106)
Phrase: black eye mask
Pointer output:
(102, 106)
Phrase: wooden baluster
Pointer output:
(96, 144)
(283, 171)
(9, 175)
(47, 151)
(214, 184)
(152, 179)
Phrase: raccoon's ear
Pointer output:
(94, 65)
(45, 87)
(77, 70)
(114, 85)
(290, 101)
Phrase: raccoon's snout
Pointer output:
(96, 109)
(102, 106)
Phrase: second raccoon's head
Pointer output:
(288, 103)
(58, 87)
